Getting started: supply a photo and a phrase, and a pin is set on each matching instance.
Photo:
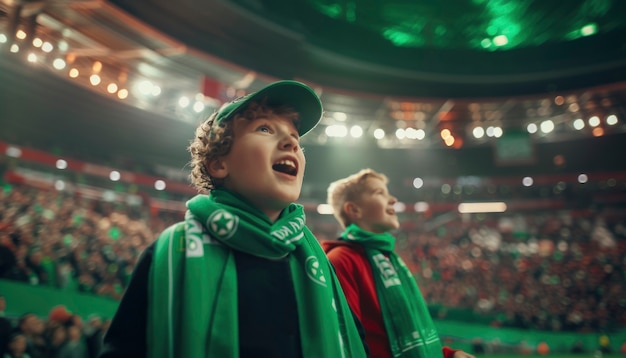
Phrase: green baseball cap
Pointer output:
(296, 95)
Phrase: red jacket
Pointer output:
(357, 281)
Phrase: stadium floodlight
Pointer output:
(594, 121)
(579, 124)
(547, 126)
(486, 207)
(611, 120)
(324, 209)
(356, 131)
(399, 207)
(478, 132)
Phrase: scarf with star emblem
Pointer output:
(408, 324)
(192, 290)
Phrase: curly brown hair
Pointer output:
(213, 140)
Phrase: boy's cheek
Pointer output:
(302, 164)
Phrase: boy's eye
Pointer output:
(264, 128)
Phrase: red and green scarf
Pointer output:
(408, 323)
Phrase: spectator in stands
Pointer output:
(60, 314)
(242, 267)
(56, 338)
(94, 333)
(378, 286)
(478, 346)
(578, 347)
(7, 256)
(12, 253)
(17, 346)
(32, 327)
(74, 346)
(6, 327)
(604, 343)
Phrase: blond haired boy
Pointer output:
(378, 286)
(242, 276)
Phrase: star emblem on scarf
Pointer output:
(314, 271)
(223, 224)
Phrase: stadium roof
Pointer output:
(408, 68)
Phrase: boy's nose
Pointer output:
(288, 142)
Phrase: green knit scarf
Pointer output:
(192, 290)
(407, 321)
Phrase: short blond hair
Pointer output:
(349, 189)
(213, 140)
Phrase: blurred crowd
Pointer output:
(59, 335)
(556, 271)
(69, 242)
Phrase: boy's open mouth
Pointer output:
(286, 166)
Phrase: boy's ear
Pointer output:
(217, 168)
(352, 210)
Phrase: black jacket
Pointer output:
(268, 312)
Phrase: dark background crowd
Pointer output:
(552, 270)
(59, 240)
(61, 334)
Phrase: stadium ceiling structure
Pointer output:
(407, 73)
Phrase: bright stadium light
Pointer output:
(547, 126)
(611, 120)
(399, 207)
(356, 131)
(578, 124)
(527, 181)
(324, 209)
(493, 207)
(159, 185)
(61, 164)
(115, 175)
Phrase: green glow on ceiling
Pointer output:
(330, 10)
(440, 30)
(486, 25)
(500, 40)
(588, 29)
(505, 22)
(492, 30)
(351, 11)
(401, 38)
(596, 8)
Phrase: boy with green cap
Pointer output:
(242, 276)
(377, 284)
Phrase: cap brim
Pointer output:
(293, 94)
